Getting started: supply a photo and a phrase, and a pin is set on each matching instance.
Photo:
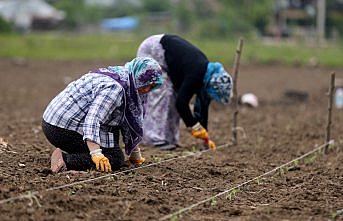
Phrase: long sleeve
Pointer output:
(188, 88)
(201, 106)
(105, 102)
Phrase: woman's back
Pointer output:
(183, 59)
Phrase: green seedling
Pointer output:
(175, 217)
(296, 162)
(331, 145)
(213, 201)
(78, 186)
(258, 181)
(112, 178)
(75, 188)
(310, 159)
(259, 140)
(232, 193)
(71, 192)
(194, 149)
(333, 216)
(132, 174)
(281, 171)
(156, 159)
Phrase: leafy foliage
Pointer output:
(5, 27)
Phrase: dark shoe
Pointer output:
(166, 146)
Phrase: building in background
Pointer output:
(27, 14)
(307, 18)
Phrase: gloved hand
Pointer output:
(210, 144)
(136, 158)
(101, 162)
(199, 132)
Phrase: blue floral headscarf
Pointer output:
(218, 83)
(139, 72)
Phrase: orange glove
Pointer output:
(101, 162)
(199, 132)
(210, 144)
(136, 157)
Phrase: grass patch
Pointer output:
(122, 47)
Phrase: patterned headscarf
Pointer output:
(144, 71)
(139, 72)
(217, 82)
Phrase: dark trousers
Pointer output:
(76, 154)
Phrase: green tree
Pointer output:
(156, 5)
(5, 27)
(78, 13)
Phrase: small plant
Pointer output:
(296, 162)
(294, 166)
(79, 186)
(334, 215)
(71, 192)
(194, 149)
(331, 145)
(75, 188)
(175, 217)
(258, 181)
(259, 140)
(310, 159)
(112, 178)
(213, 201)
(156, 159)
(132, 174)
(281, 171)
(232, 193)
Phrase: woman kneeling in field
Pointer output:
(187, 72)
(84, 120)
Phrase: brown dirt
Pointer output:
(276, 132)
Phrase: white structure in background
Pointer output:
(249, 99)
(103, 3)
(113, 3)
(339, 94)
(22, 13)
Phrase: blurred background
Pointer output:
(296, 32)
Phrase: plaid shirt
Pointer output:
(91, 105)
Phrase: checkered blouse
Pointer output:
(91, 106)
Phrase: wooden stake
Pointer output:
(328, 125)
(235, 94)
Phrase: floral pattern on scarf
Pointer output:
(218, 83)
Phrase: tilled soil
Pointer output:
(276, 132)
